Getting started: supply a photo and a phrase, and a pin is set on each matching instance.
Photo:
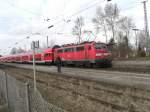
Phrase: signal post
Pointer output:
(34, 46)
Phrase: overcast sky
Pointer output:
(22, 18)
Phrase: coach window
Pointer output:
(80, 48)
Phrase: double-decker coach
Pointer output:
(42, 56)
(48, 56)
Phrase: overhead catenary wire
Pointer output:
(74, 14)
(130, 7)
(26, 10)
(60, 21)
(91, 6)
(31, 12)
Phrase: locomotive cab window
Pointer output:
(48, 54)
(60, 51)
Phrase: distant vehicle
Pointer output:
(87, 54)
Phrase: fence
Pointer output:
(21, 97)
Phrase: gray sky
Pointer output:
(22, 18)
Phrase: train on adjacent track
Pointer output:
(87, 54)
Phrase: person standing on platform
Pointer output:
(59, 63)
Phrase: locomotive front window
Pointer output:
(100, 46)
(48, 54)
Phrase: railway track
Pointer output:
(118, 97)
(125, 78)
(123, 66)
(71, 91)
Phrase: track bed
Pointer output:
(81, 90)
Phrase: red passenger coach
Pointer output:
(48, 56)
(25, 58)
(1, 59)
(39, 57)
(87, 54)
(42, 56)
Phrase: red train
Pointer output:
(85, 54)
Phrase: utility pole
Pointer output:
(146, 24)
(47, 42)
(47, 36)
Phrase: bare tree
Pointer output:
(100, 21)
(126, 24)
(112, 17)
(20, 50)
(123, 46)
(142, 39)
(111, 22)
(107, 19)
(77, 29)
(13, 51)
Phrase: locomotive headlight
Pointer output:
(99, 54)
(106, 54)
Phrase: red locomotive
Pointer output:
(85, 54)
